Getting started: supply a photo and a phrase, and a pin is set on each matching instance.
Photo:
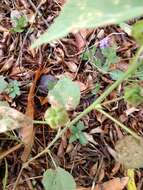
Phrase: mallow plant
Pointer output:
(65, 95)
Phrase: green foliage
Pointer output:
(77, 133)
(130, 152)
(20, 24)
(116, 74)
(88, 14)
(102, 59)
(139, 73)
(96, 89)
(3, 84)
(65, 93)
(58, 179)
(11, 88)
(56, 117)
(89, 53)
(133, 95)
(137, 31)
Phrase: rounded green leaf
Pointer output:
(130, 152)
(65, 93)
(58, 179)
(137, 31)
(133, 95)
(56, 117)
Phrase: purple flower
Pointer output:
(104, 43)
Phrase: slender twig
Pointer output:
(118, 123)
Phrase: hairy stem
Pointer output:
(118, 123)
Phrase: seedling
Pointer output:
(77, 133)
(20, 24)
(11, 88)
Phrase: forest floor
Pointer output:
(93, 163)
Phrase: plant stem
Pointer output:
(99, 100)
(118, 123)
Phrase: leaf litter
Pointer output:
(58, 58)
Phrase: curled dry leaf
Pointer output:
(12, 119)
(80, 38)
(114, 184)
(72, 66)
(8, 64)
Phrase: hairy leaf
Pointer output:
(133, 95)
(88, 14)
(58, 179)
(65, 93)
(56, 117)
(137, 31)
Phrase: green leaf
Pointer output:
(56, 117)
(110, 54)
(82, 139)
(89, 53)
(77, 133)
(80, 126)
(88, 14)
(133, 95)
(130, 152)
(65, 93)
(3, 84)
(96, 89)
(58, 179)
(20, 24)
(73, 138)
(116, 74)
(137, 31)
(13, 89)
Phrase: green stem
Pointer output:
(118, 123)
(99, 100)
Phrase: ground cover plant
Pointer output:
(71, 109)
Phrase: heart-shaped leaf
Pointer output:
(65, 93)
(88, 14)
(58, 179)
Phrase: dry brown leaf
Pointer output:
(81, 85)
(80, 38)
(28, 134)
(72, 66)
(8, 64)
(114, 184)
(11, 119)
